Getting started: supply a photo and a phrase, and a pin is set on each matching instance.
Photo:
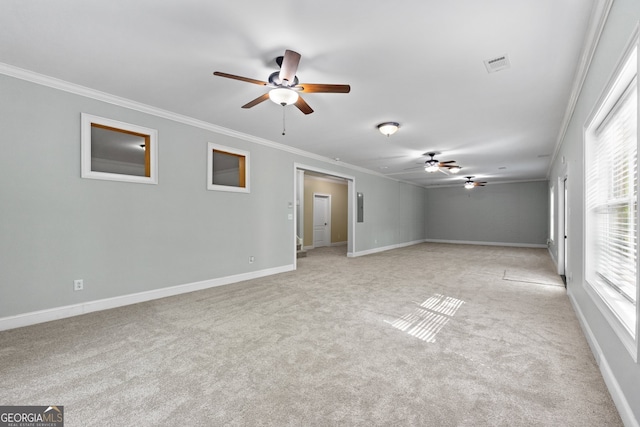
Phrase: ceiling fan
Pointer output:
(469, 183)
(284, 84)
(435, 165)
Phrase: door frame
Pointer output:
(327, 231)
(298, 181)
(562, 216)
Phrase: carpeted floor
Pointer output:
(428, 335)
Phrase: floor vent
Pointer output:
(497, 64)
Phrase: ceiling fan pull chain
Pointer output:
(283, 123)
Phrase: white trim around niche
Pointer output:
(86, 120)
(247, 168)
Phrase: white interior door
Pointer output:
(321, 220)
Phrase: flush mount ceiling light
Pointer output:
(283, 96)
(388, 128)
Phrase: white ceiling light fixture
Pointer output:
(283, 96)
(388, 128)
(432, 166)
(469, 185)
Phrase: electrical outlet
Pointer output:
(78, 285)
(251, 259)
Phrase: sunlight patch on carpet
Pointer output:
(426, 320)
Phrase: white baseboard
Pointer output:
(383, 248)
(468, 242)
(308, 248)
(621, 402)
(553, 258)
(56, 313)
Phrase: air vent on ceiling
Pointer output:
(497, 64)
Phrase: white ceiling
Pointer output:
(417, 62)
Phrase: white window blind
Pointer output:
(612, 203)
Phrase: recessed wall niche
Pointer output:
(118, 151)
(227, 169)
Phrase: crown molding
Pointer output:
(52, 82)
(597, 20)
(461, 184)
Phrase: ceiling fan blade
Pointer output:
(448, 161)
(303, 106)
(289, 67)
(314, 87)
(243, 79)
(256, 101)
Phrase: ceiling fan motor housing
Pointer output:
(274, 79)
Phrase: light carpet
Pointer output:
(427, 335)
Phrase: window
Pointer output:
(118, 151)
(228, 169)
(611, 203)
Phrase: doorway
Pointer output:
(563, 227)
(565, 232)
(321, 220)
(336, 210)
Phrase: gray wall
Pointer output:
(619, 27)
(397, 217)
(516, 213)
(124, 238)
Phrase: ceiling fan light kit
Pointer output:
(283, 96)
(388, 128)
(431, 166)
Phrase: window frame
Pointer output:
(622, 315)
(151, 156)
(244, 169)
